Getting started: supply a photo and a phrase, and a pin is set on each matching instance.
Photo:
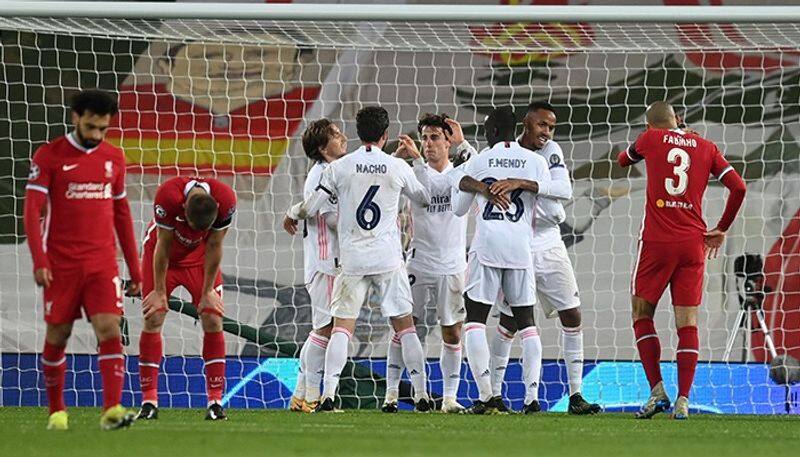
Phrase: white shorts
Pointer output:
(391, 291)
(320, 289)
(442, 293)
(485, 284)
(556, 286)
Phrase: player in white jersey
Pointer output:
(436, 262)
(500, 258)
(323, 142)
(557, 288)
(368, 184)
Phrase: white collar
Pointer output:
(447, 168)
(192, 184)
(74, 142)
(372, 148)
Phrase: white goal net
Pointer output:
(229, 98)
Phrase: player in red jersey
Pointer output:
(78, 182)
(183, 247)
(674, 243)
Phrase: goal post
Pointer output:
(226, 91)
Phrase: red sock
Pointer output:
(214, 357)
(649, 349)
(54, 365)
(112, 369)
(151, 350)
(688, 344)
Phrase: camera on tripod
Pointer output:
(749, 271)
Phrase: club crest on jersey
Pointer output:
(34, 173)
(109, 168)
(160, 211)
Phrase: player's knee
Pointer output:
(106, 327)
(642, 309)
(685, 316)
(58, 335)
(570, 317)
(325, 331)
(523, 316)
(507, 322)
(211, 322)
(154, 323)
(451, 334)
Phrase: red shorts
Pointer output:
(681, 265)
(94, 290)
(191, 278)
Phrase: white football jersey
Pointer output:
(503, 238)
(368, 184)
(439, 240)
(320, 243)
(550, 209)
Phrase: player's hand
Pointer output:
(713, 241)
(212, 300)
(290, 225)
(505, 186)
(408, 148)
(499, 200)
(153, 303)
(43, 277)
(134, 289)
(458, 134)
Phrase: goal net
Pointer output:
(229, 99)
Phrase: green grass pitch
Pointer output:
(184, 433)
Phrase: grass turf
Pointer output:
(183, 432)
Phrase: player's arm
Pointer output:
(540, 186)
(156, 301)
(123, 225)
(560, 184)
(213, 259)
(462, 201)
(312, 204)
(633, 154)
(36, 193)
(464, 149)
(462, 182)
(416, 188)
(737, 190)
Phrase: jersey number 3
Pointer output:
(367, 205)
(677, 185)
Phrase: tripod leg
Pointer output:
(737, 323)
(767, 337)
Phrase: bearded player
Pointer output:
(674, 243)
(183, 247)
(80, 180)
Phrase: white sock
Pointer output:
(394, 368)
(478, 357)
(572, 345)
(315, 365)
(450, 363)
(335, 358)
(500, 351)
(414, 359)
(300, 387)
(531, 362)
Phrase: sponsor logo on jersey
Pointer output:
(34, 173)
(88, 191)
(186, 241)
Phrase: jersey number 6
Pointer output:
(367, 205)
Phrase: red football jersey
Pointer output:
(81, 185)
(678, 166)
(188, 247)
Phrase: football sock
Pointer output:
(335, 358)
(414, 360)
(300, 385)
(151, 351)
(315, 365)
(688, 345)
(214, 358)
(649, 347)
(394, 368)
(450, 363)
(112, 369)
(54, 365)
(500, 352)
(531, 362)
(478, 357)
(572, 345)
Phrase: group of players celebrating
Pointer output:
(76, 209)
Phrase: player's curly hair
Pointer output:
(201, 211)
(316, 138)
(435, 120)
(95, 101)
(371, 123)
